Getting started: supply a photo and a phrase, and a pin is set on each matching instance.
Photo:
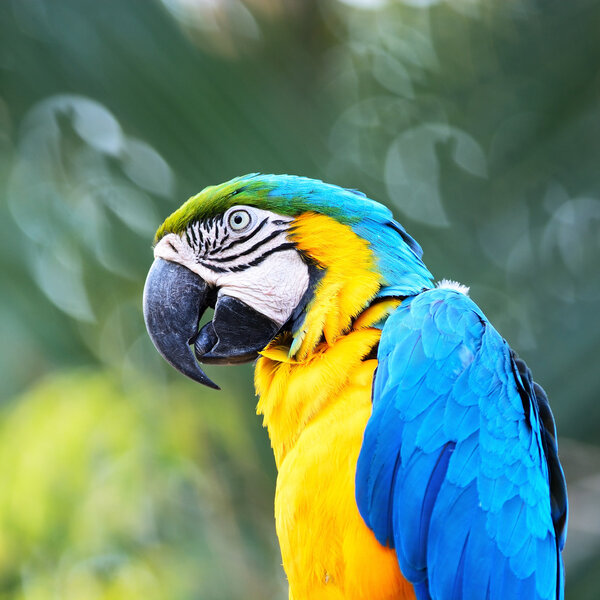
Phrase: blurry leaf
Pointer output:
(573, 229)
(93, 123)
(65, 185)
(392, 75)
(146, 168)
(223, 24)
(132, 207)
(412, 169)
(61, 280)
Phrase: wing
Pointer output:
(458, 470)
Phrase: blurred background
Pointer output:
(477, 122)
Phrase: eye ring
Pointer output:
(239, 220)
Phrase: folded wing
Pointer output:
(459, 470)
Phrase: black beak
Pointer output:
(235, 335)
(175, 299)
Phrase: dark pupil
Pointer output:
(237, 219)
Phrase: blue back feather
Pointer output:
(458, 470)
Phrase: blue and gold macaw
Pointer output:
(416, 456)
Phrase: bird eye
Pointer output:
(239, 220)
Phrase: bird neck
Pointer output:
(294, 391)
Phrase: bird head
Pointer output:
(279, 258)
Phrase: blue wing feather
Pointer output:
(459, 469)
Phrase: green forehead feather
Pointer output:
(284, 194)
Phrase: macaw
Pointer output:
(416, 457)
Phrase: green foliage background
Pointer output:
(477, 122)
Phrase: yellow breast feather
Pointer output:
(316, 412)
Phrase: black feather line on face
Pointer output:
(261, 258)
(212, 268)
(211, 246)
(250, 250)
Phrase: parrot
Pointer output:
(416, 457)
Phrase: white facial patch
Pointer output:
(274, 288)
(247, 254)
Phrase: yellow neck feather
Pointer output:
(292, 394)
(349, 282)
